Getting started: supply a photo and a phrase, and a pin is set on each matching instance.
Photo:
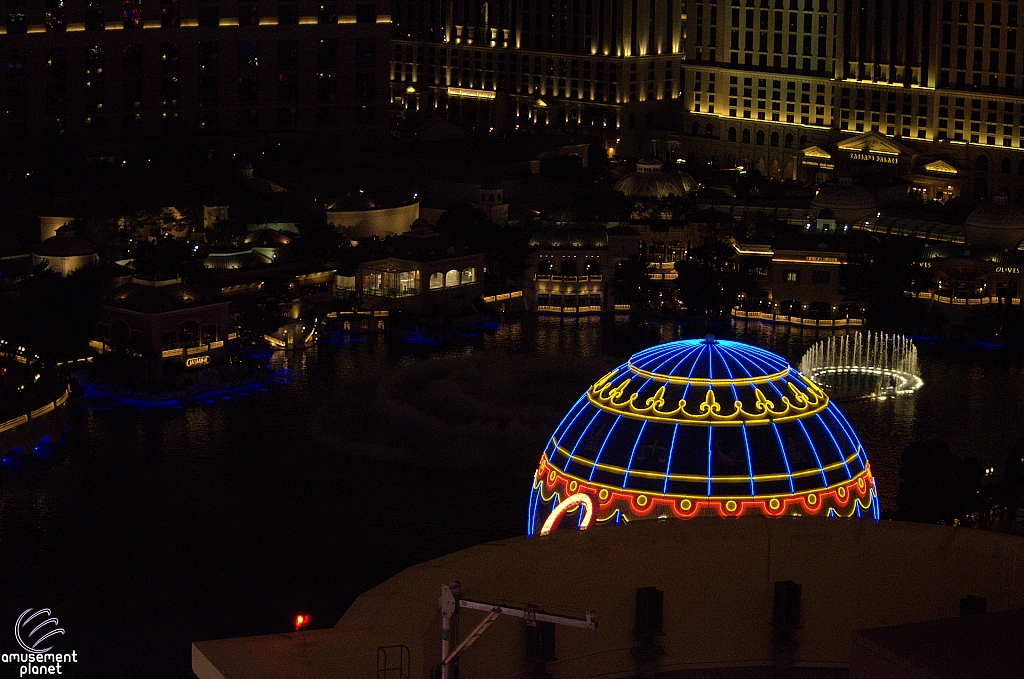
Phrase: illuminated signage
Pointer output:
(196, 361)
(1007, 269)
(888, 160)
(812, 258)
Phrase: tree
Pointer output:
(709, 281)
(937, 486)
(632, 283)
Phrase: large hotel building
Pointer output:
(122, 70)
(799, 89)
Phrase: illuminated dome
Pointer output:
(649, 181)
(847, 202)
(996, 224)
(701, 427)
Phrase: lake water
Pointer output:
(166, 526)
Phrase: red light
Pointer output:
(301, 621)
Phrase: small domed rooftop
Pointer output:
(996, 224)
(701, 427)
(650, 181)
(848, 203)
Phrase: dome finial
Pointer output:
(710, 339)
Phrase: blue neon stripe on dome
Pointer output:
(785, 458)
(814, 449)
(839, 450)
(671, 450)
(600, 452)
(579, 440)
(625, 477)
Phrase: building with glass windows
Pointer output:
(596, 64)
(104, 71)
(931, 89)
(420, 271)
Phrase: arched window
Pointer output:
(732, 134)
(981, 164)
(675, 251)
(709, 130)
(746, 136)
(789, 141)
(451, 279)
(803, 140)
(696, 129)
(1007, 166)
(760, 138)
(469, 275)
(544, 267)
(774, 139)
(436, 280)
(657, 251)
(591, 267)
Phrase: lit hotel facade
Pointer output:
(120, 71)
(747, 82)
(511, 63)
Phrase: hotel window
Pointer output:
(287, 14)
(366, 52)
(288, 54)
(170, 17)
(248, 15)
(248, 54)
(325, 87)
(328, 14)
(209, 16)
(247, 118)
(93, 60)
(209, 54)
(55, 22)
(209, 89)
(16, 23)
(366, 13)
(327, 52)
(792, 276)
(169, 56)
(286, 117)
(131, 57)
(93, 16)
(132, 13)
(56, 63)
(131, 91)
(248, 89)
